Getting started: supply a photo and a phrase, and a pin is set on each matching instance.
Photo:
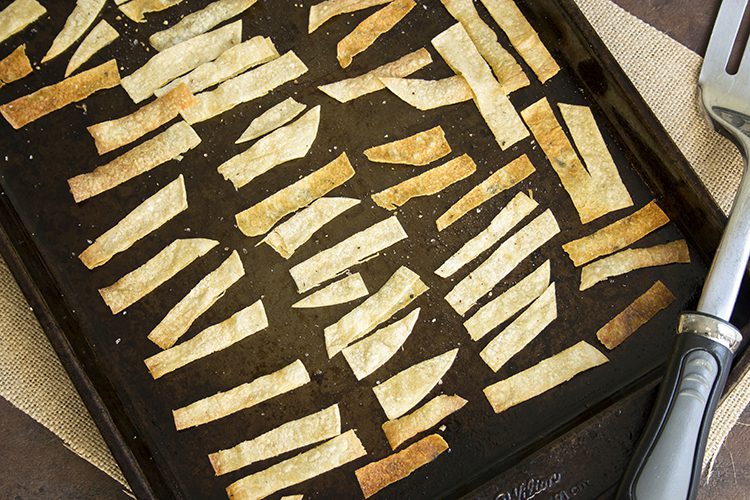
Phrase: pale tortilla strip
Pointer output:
(319, 426)
(514, 212)
(102, 35)
(78, 22)
(499, 181)
(271, 119)
(419, 149)
(241, 397)
(428, 183)
(463, 57)
(198, 300)
(525, 328)
(241, 325)
(76, 88)
(675, 252)
(406, 389)
(323, 458)
(261, 217)
(170, 144)
(19, 14)
(430, 414)
(352, 88)
(502, 261)
(543, 376)
(291, 234)
(520, 295)
(331, 262)
(15, 66)
(248, 86)
(135, 9)
(164, 265)
(429, 94)
(292, 497)
(398, 292)
(374, 351)
(345, 290)
(322, 12)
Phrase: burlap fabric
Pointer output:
(665, 72)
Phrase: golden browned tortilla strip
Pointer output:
(500, 180)
(322, 12)
(102, 35)
(543, 376)
(675, 252)
(345, 290)
(425, 417)
(198, 300)
(76, 88)
(138, 283)
(19, 14)
(135, 9)
(323, 458)
(78, 22)
(262, 216)
(429, 94)
(271, 119)
(243, 396)
(170, 144)
(421, 148)
(15, 66)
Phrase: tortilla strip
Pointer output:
(170, 144)
(241, 397)
(429, 94)
(291, 234)
(78, 22)
(398, 292)
(543, 376)
(292, 497)
(241, 325)
(76, 88)
(463, 57)
(421, 148)
(406, 389)
(15, 66)
(345, 290)
(135, 9)
(331, 262)
(374, 351)
(500, 180)
(320, 426)
(164, 265)
(370, 29)
(322, 12)
(352, 88)
(271, 119)
(323, 458)
(18, 15)
(675, 252)
(210, 289)
(502, 261)
(262, 216)
(425, 417)
(102, 35)
(514, 212)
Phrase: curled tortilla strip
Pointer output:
(241, 325)
(406, 389)
(170, 144)
(241, 397)
(15, 66)
(271, 119)
(19, 14)
(135, 9)
(543, 376)
(323, 458)
(430, 414)
(500, 180)
(198, 300)
(76, 88)
(291, 234)
(140, 282)
(463, 57)
(502, 261)
(398, 292)
(322, 12)
(78, 22)
(320, 426)
(355, 249)
(352, 88)
(345, 290)
(102, 35)
(261, 217)
(429, 94)
(421, 148)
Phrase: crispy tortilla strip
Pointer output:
(323, 458)
(210, 289)
(398, 292)
(322, 12)
(406, 389)
(421, 148)
(170, 144)
(241, 325)
(291, 234)
(543, 376)
(292, 497)
(355, 249)
(76, 88)
(352, 88)
(462, 56)
(140, 282)
(514, 212)
(78, 22)
(319, 426)
(429, 94)
(241, 397)
(102, 35)
(427, 416)
(135, 9)
(271, 119)
(15, 66)
(19, 14)
(345, 290)
(261, 217)
(502, 261)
